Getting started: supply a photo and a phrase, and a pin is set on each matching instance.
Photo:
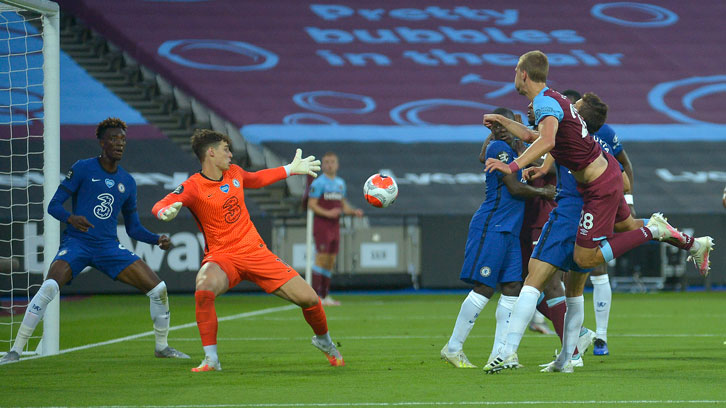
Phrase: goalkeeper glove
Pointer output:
(307, 165)
(169, 212)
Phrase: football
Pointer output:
(380, 190)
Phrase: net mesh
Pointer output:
(21, 167)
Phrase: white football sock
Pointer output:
(159, 308)
(34, 313)
(522, 313)
(470, 309)
(504, 312)
(211, 352)
(602, 296)
(574, 317)
(325, 339)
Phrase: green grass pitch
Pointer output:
(667, 349)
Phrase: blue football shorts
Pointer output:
(556, 244)
(491, 257)
(109, 257)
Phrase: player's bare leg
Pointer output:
(140, 276)
(297, 291)
(211, 282)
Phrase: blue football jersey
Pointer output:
(500, 211)
(99, 196)
(607, 135)
(567, 186)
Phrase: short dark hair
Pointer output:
(506, 112)
(535, 64)
(202, 139)
(594, 111)
(109, 123)
(572, 94)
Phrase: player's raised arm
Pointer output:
(543, 144)
(518, 129)
(298, 165)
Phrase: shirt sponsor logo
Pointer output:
(224, 188)
(333, 196)
(110, 183)
(69, 174)
(504, 157)
(179, 189)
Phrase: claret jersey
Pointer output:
(574, 147)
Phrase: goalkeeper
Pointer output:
(234, 250)
(100, 189)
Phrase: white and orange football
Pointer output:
(380, 190)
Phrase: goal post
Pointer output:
(20, 115)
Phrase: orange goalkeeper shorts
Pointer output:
(260, 266)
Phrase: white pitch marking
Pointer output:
(179, 327)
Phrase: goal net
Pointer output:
(29, 163)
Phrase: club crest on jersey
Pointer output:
(224, 188)
(504, 156)
(235, 182)
(121, 188)
(110, 183)
(485, 271)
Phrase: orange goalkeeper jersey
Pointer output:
(219, 208)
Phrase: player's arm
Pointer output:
(518, 129)
(546, 167)
(265, 177)
(322, 212)
(168, 207)
(623, 158)
(522, 190)
(724, 197)
(133, 224)
(350, 210)
(55, 209)
(543, 144)
(65, 190)
(483, 153)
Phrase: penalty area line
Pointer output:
(173, 328)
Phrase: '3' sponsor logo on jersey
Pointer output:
(103, 210)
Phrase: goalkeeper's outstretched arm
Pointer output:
(298, 165)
